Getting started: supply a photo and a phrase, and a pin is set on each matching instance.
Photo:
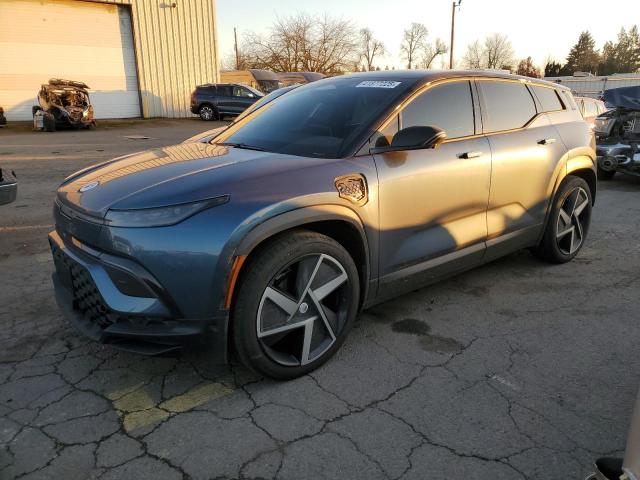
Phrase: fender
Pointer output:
(576, 159)
(286, 221)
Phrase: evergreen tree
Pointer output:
(552, 69)
(583, 56)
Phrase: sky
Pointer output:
(538, 28)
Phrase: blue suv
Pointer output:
(214, 101)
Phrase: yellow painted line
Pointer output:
(138, 409)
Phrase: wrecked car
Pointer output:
(618, 133)
(8, 186)
(63, 103)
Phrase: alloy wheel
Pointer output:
(303, 310)
(572, 221)
(206, 113)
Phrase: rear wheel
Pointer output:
(208, 112)
(568, 222)
(295, 305)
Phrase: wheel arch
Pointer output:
(335, 221)
(589, 176)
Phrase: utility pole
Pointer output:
(453, 28)
(235, 37)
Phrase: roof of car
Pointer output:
(432, 75)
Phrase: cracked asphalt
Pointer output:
(516, 370)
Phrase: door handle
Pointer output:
(467, 155)
(547, 141)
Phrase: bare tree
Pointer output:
(370, 47)
(304, 43)
(498, 51)
(413, 42)
(494, 52)
(433, 51)
(474, 57)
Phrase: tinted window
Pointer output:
(447, 106)
(207, 90)
(508, 105)
(383, 137)
(548, 99)
(321, 119)
(224, 90)
(590, 109)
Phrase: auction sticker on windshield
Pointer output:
(377, 84)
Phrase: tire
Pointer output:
(605, 174)
(208, 112)
(275, 308)
(34, 109)
(568, 222)
(49, 122)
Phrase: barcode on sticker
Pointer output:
(377, 84)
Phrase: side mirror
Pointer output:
(414, 138)
(8, 187)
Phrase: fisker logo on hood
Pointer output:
(88, 186)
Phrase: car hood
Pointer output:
(624, 97)
(181, 173)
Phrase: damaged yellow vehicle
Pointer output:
(63, 103)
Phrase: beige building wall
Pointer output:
(174, 46)
(176, 49)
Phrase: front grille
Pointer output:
(86, 297)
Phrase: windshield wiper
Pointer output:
(243, 145)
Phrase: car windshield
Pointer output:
(322, 119)
(263, 101)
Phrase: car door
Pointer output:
(224, 99)
(433, 202)
(525, 149)
(243, 98)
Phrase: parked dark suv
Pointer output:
(214, 101)
(337, 195)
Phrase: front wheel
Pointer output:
(295, 305)
(568, 222)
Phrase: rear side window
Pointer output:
(508, 105)
(448, 106)
(224, 90)
(590, 109)
(569, 100)
(548, 98)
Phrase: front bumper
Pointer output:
(89, 294)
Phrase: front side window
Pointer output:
(508, 105)
(321, 119)
(242, 92)
(548, 98)
(448, 106)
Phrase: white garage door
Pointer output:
(70, 39)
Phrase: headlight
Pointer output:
(603, 125)
(161, 216)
